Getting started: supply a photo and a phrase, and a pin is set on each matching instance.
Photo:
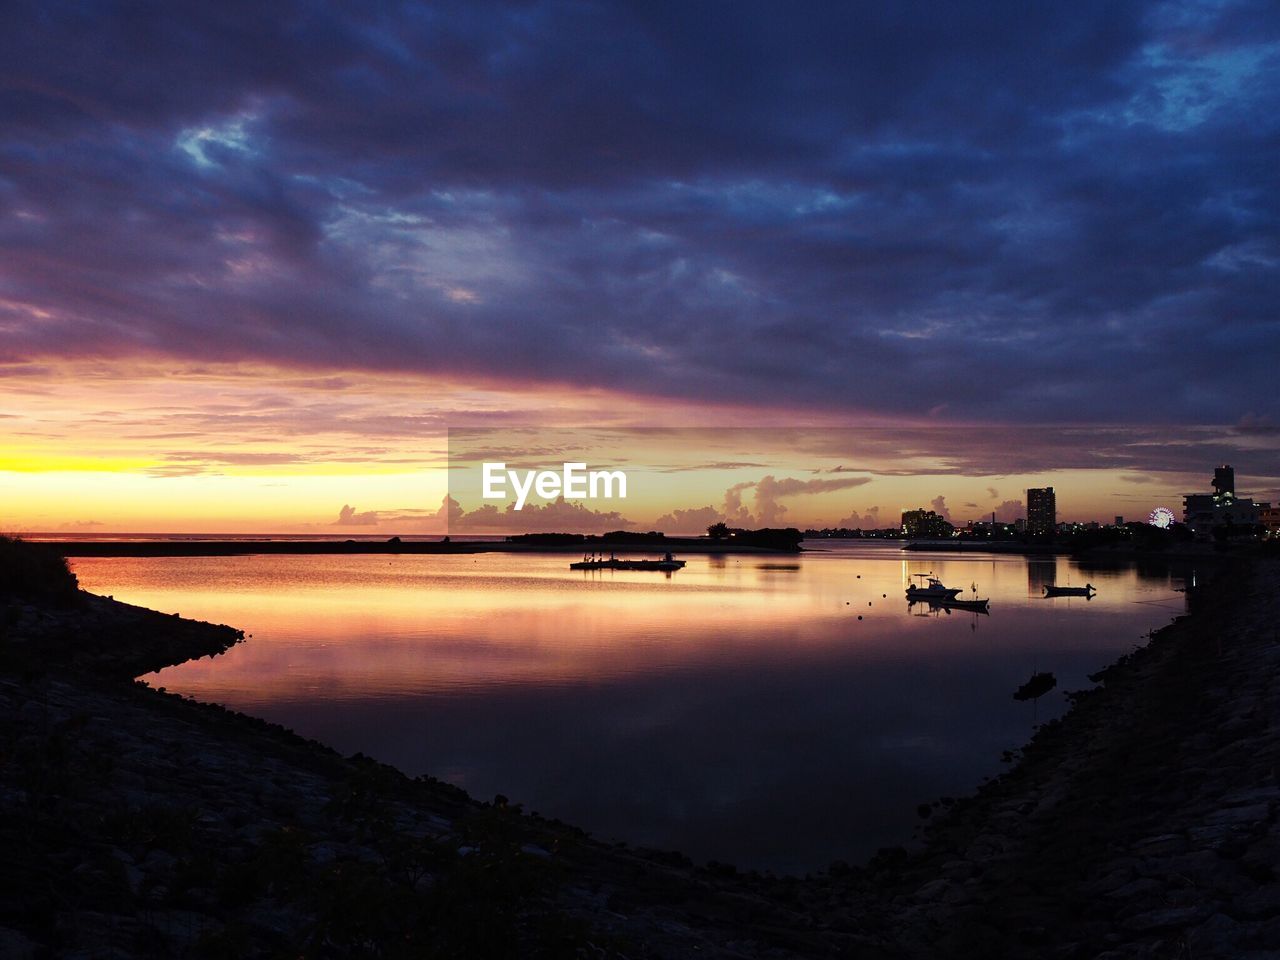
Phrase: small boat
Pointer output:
(950, 602)
(1086, 591)
(935, 590)
(1037, 686)
(592, 562)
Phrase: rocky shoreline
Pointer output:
(1142, 824)
(138, 823)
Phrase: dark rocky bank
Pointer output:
(136, 823)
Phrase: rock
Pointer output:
(1144, 886)
(1219, 936)
(181, 928)
(1257, 795)
(958, 869)
(1259, 904)
(15, 946)
(933, 890)
(1164, 843)
(986, 845)
(1239, 816)
(1165, 918)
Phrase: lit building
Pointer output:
(1269, 517)
(1042, 513)
(1206, 513)
(925, 524)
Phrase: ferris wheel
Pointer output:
(1161, 517)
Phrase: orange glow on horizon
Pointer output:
(90, 446)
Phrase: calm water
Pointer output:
(738, 710)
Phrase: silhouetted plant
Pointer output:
(34, 571)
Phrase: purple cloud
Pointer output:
(997, 212)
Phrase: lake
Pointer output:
(774, 712)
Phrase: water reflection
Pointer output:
(771, 713)
(1041, 573)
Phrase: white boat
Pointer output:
(934, 590)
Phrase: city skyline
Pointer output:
(831, 497)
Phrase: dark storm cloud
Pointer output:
(1000, 211)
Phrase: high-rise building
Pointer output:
(1042, 513)
(1208, 513)
(1224, 482)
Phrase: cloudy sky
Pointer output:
(260, 256)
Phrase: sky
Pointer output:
(256, 260)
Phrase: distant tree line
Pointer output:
(772, 538)
(769, 538)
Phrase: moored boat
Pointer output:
(934, 590)
(667, 563)
(1053, 591)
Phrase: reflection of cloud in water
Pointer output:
(733, 711)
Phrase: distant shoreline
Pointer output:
(985, 546)
(687, 545)
(239, 548)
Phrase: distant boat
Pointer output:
(593, 562)
(1037, 686)
(935, 590)
(1086, 591)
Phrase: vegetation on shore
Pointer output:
(35, 571)
(785, 539)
